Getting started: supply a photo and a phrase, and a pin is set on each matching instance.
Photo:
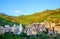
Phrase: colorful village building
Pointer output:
(57, 29)
(50, 26)
(34, 28)
(7, 28)
(18, 29)
(2, 30)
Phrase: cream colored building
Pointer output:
(34, 32)
(57, 29)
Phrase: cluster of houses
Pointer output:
(15, 29)
(34, 28)
(31, 29)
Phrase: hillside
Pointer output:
(49, 15)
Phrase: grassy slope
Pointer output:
(49, 15)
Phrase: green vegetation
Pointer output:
(49, 15)
(42, 35)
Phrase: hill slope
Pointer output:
(49, 15)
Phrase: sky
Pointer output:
(27, 7)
